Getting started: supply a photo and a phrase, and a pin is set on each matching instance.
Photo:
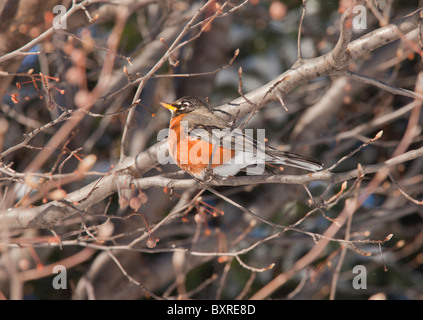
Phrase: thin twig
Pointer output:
(382, 85)
(376, 137)
(347, 238)
(131, 279)
(405, 194)
(299, 55)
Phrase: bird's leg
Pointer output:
(208, 175)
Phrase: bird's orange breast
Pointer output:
(191, 154)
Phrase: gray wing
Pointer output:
(218, 134)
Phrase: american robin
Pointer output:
(201, 142)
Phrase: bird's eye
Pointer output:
(184, 105)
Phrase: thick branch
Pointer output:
(47, 215)
(321, 66)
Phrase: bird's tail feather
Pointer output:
(293, 160)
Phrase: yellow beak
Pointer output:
(168, 106)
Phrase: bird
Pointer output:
(204, 144)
